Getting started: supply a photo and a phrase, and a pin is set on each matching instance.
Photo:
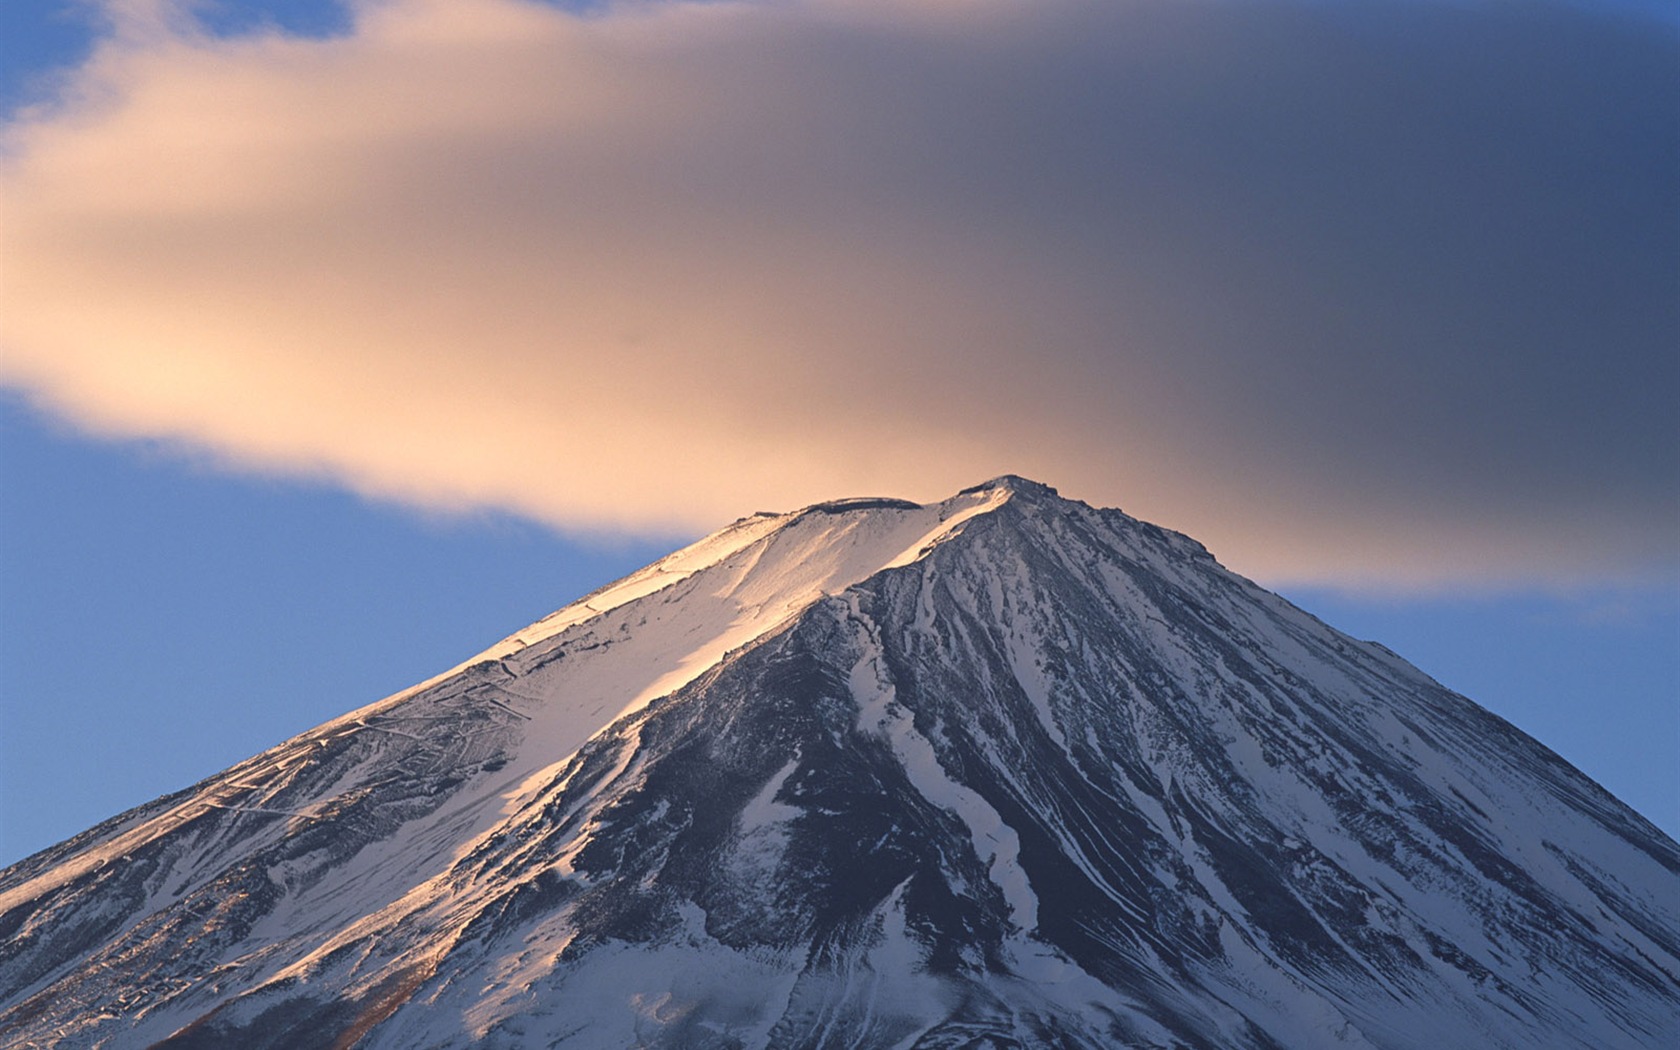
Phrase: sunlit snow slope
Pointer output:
(1001, 771)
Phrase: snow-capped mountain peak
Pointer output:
(1003, 770)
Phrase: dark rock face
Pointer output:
(1006, 771)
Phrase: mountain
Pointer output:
(1002, 771)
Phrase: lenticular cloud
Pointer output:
(1327, 287)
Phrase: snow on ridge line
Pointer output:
(711, 551)
(672, 569)
(708, 551)
(748, 587)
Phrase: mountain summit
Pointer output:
(1001, 771)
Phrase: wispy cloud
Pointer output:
(1379, 293)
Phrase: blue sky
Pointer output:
(317, 380)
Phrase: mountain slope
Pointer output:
(1003, 770)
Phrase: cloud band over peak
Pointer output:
(1384, 293)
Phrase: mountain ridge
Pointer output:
(1002, 770)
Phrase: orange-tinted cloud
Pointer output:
(1376, 296)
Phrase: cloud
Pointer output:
(1382, 293)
